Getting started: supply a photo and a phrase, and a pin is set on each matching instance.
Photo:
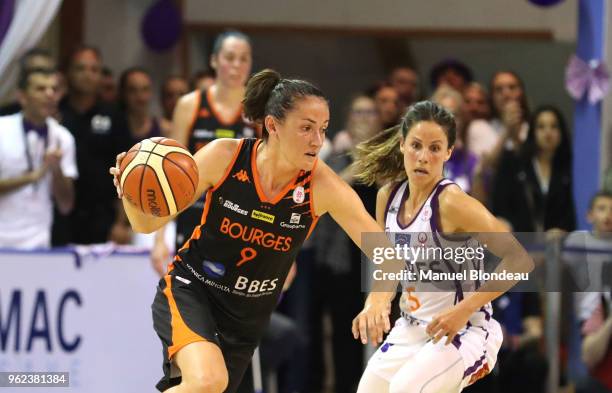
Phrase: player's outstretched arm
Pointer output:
(332, 195)
(212, 162)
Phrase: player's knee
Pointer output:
(206, 383)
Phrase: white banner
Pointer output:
(90, 317)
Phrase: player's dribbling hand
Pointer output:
(448, 324)
(116, 172)
(373, 320)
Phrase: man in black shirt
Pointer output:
(97, 143)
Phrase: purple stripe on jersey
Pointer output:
(435, 205)
(405, 196)
(391, 197)
(486, 313)
(457, 341)
(474, 367)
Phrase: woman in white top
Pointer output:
(417, 199)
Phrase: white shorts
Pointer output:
(477, 347)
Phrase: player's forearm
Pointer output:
(160, 234)
(63, 191)
(595, 345)
(8, 185)
(477, 300)
(141, 222)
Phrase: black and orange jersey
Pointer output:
(207, 126)
(245, 243)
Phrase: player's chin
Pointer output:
(308, 162)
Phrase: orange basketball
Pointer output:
(159, 176)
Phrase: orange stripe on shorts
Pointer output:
(181, 334)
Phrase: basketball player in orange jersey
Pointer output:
(205, 115)
(262, 199)
(445, 339)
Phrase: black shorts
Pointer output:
(183, 314)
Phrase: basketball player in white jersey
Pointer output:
(445, 339)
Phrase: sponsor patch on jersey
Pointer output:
(256, 214)
(223, 133)
(299, 194)
(213, 269)
(295, 218)
(234, 207)
(101, 124)
(402, 238)
(200, 133)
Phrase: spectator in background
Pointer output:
(508, 127)
(33, 58)
(97, 143)
(505, 131)
(37, 164)
(172, 89)
(338, 260)
(108, 86)
(450, 72)
(462, 164)
(203, 79)
(135, 121)
(135, 97)
(476, 102)
(387, 103)
(405, 81)
(533, 190)
(594, 307)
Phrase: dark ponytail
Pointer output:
(379, 159)
(268, 94)
(258, 90)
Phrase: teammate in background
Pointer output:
(411, 157)
(205, 115)
(263, 198)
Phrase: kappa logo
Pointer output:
(242, 176)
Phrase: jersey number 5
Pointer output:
(414, 301)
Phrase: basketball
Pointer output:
(159, 176)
